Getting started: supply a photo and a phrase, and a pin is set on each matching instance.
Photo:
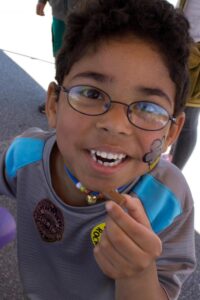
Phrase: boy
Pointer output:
(122, 81)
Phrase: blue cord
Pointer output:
(79, 184)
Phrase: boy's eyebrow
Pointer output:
(154, 92)
(94, 75)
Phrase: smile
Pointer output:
(107, 159)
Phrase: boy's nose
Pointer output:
(115, 121)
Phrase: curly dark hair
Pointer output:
(155, 21)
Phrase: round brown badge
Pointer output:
(49, 221)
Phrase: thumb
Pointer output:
(130, 204)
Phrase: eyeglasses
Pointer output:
(91, 101)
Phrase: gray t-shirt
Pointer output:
(56, 240)
(59, 8)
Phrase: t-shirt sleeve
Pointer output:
(24, 150)
(7, 184)
(178, 260)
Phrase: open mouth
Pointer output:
(107, 159)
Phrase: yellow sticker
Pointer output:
(97, 232)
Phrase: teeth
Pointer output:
(109, 155)
(115, 157)
(93, 155)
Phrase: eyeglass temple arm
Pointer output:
(173, 119)
(62, 88)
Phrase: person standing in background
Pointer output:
(183, 148)
(59, 11)
(58, 27)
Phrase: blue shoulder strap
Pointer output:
(23, 151)
(160, 203)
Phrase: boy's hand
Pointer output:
(128, 245)
(40, 9)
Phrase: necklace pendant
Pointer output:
(91, 199)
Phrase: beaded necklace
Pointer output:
(91, 196)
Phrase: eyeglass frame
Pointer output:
(67, 90)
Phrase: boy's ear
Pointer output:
(174, 130)
(52, 104)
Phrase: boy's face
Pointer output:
(128, 70)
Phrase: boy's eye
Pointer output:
(145, 107)
(88, 100)
(148, 107)
(148, 115)
(91, 93)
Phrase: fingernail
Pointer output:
(109, 206)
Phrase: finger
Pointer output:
(110, 259)
(105, 263)
(143, 236)
(41, 12)
(115, 196)
(133, 205)
(126, 250)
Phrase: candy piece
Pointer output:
(7, 227)
(115, 196)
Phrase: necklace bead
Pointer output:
(90, 199)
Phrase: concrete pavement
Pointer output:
(26, 68)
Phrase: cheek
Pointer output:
(68, 121)
(71, 131)
(66, 132)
